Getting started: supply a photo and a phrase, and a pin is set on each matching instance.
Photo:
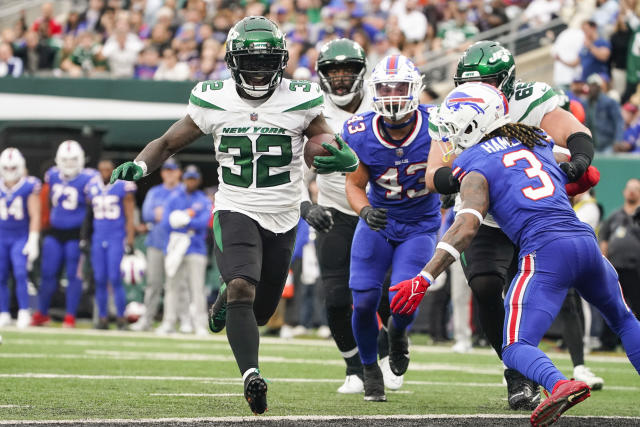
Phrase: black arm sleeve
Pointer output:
(444, 181)
(580, 146)
(87, 225)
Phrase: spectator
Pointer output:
(631, 137)
(454, 34)
(72, 24)
(121, 51)
(53, 27)
(36, 55)
(620, 243)
(91, 19)
(328, 26)
(595, 54)
(620, 40)
(413, 22)
(605, 15)
(566, 54)
(491, 15)
(160, 37)
(85, 58)
(186, 215)
(540, 12)
(9, 65)
(603, 116)
(357, 24)
(170, 68)
(633, 55)
(147, 66)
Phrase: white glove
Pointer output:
(32, 248)
(176, 248)
(179, 219)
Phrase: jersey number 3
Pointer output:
(534, 171)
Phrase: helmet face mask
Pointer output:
(256, 55)
(341, 66)
(70, 159)
(12, 165)
(395, 84)
(487, 62)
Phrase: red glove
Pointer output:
(410, 293)
(588, 179)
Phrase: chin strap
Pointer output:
(399, 125)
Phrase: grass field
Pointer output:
(55, 374)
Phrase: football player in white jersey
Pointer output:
(491, 259)
(258, 121)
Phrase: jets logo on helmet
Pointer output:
(341, 66)
(256, 55)
(468, 112)
(70, 158)
(488, 62)
(396, 84)
(12, 165)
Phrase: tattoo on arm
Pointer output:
(474, 192)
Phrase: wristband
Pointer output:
(450, 249)
(471, 211)
(427, 276)
(142, 166)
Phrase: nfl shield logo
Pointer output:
(399, 152)
(253, 116)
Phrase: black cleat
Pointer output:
(218, 311)
(398, 349)
(255, 391)
(374, 384)
(524, 394)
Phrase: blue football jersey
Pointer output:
(396, 172)
(14, 215)
(526, 189)
(107, 204)
(68, 201)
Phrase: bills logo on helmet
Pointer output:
(457, 99)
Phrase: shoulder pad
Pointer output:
(300, 95)
(206, 94)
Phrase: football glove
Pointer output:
(409, 294)
(576, 167)
(316, 216)
(376, 218)
(127, 171)
(31, 249)
(341, 160)
(179, 219)
(589, 179)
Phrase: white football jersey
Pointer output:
(259, 148)
(331, 191)
(530, 102)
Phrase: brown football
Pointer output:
(314, 147)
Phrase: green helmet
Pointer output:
(488, 62)
(563, 99)
(347, 57)
(256, 55)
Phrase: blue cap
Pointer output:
(171, 164)
(191, 171)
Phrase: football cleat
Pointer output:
(523, 394)
(391, 380)
(398, 349)
(584, 374)
(24, 319)
(103, 324)
(255, 391)
(5, 319)
(69, 321)
(140, 325)
(352, 385)
(218, 311)
(566, 394)
(40, 319)
(374, 384)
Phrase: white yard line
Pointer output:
(213, 380)
(197, 394)
(277, 419)
(14, 406)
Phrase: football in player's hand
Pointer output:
(314, 147)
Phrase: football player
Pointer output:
(258, 121)
(490, 261)
(19, 232)
(111, 211)
(399, 219)
(509, 170)
(66, 183)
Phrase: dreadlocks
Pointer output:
(529, 136)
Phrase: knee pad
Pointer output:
(487, 287)
(337, 293)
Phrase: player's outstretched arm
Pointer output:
(179, 135)
(474, 192)
(438, 176)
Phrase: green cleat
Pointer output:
(218, 311)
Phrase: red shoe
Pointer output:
(69, 321)
(565, 394)
(39, 319)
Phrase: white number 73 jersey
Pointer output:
(258, 147)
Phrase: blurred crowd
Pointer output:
(597, 62)
(184, 39)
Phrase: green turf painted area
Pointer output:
(54, 374)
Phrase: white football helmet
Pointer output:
(133, 268)
(70, 158)
(12, 165)
(468, 112)
(395, 84)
